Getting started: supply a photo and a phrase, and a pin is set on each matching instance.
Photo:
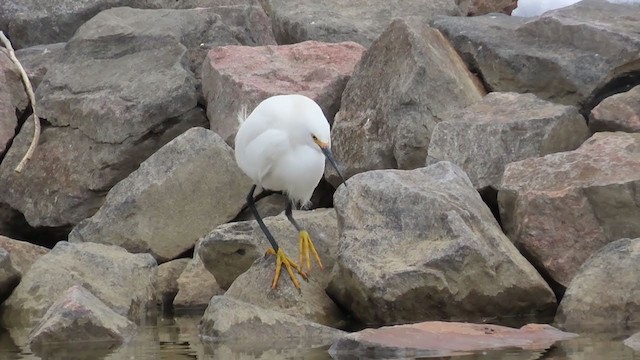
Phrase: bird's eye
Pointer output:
(314, 138)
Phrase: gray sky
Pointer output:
(537, 7)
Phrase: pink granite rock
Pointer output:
(620, 112)
(435, 337)
(561, 208)
(237, 76)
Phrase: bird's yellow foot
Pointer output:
(306, 245)
(283, 259)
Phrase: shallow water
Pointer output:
(176, 337)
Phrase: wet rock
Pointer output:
(9, 275)
(421, 245)
(121, 280)
(36, 60)
(633, 341)
(443, 338)
(561, 208)
(109, 110)
(620, 112)
(402, 87)
(271, 205)
(188, 187)
(231, 249)
(604, 295)
(166, 281)
(237, 76)
(334, 21)
(600, 43)
(196, 285)
(77, 316)
(236, 321)
(13, 99)
(481, 7)
(23, 254)
(502, 128)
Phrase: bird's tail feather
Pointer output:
(242, 114)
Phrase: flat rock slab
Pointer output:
(121, 280)
(420, 245)
(231, 249)
(403, 86)
(604, 296)
(23, 254)
(600, 42)
(561, 208)
(188, 187)
(234, 77)
(13, 99)
(361, 21)
(620, 112)
(502, 128)
(77, 316)
(443, 338)
(230, 320)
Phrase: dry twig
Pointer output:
(32, 100)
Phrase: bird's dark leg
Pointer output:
(306, 244)
(281, 257)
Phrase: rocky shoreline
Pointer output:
(493, 167)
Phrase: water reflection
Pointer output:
(176, 337)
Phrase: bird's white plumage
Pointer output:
(276, 149)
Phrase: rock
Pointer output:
(29, 23)
(188, 187)
(561, 208)
(108, 111)
(502, 128)
(400, 90)
(166, 281)
(236, 321)
(9, 276)
(598, 48)
(481, 7)
(620, 112)
(23, 254)
(13, 99)
(271, 205)
(443, 338)
(604, 295)
(231, 249)
(36, 60)
(421, 245)
(121, 280)
(633, 341)
(77, 316)
(237, 76)
(196, 285)
(334, 21)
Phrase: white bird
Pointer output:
(282, 146)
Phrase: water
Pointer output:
(176, 337)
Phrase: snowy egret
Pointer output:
(282, 146)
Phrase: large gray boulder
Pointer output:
(620, 112)
(421, 245)
(13, 99)
(604, 296)
(561, 208)
(188, 187)
(402, 87)
(571, 56)
(231, 249)
(36, 60)
(361, 21)
(121, 280)
(77, 316)
(502, 128)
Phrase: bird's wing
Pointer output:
(264, 151)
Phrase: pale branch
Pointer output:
(32, 100)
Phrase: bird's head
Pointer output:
(320, 135)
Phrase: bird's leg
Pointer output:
(281, 256)
(306, 244)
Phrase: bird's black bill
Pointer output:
(327, 152)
